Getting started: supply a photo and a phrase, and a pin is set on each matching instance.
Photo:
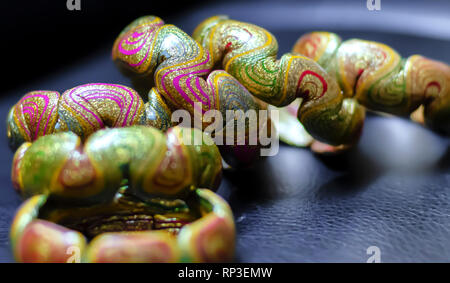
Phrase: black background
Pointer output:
(392, 191)
(44, 36)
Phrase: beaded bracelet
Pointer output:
(380, 79)
(83, 110)
(249, 53)
(369, 73)
(90, 107)
(127, 179)
(155, 54)
(201, 232)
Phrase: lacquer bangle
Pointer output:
(116, 188)
(163, 59)
(125, 231)
(83, 110)
(249, 53)
(380, 79)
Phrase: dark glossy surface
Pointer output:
(392, 191)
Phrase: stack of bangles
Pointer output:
(110, 176)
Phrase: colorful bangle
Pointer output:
(204, 231)
(155, 165)
(90, 107)
(153, 53)
(121, 180)
(380, 79)
(83, 110)
(249, 53)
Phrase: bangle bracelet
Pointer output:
(154, 164)
(370, 74)
(88, 108)
(378, 78)
(153, 53)
(202, 231)
(125, 179)
(249, 53)
(83, 110)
